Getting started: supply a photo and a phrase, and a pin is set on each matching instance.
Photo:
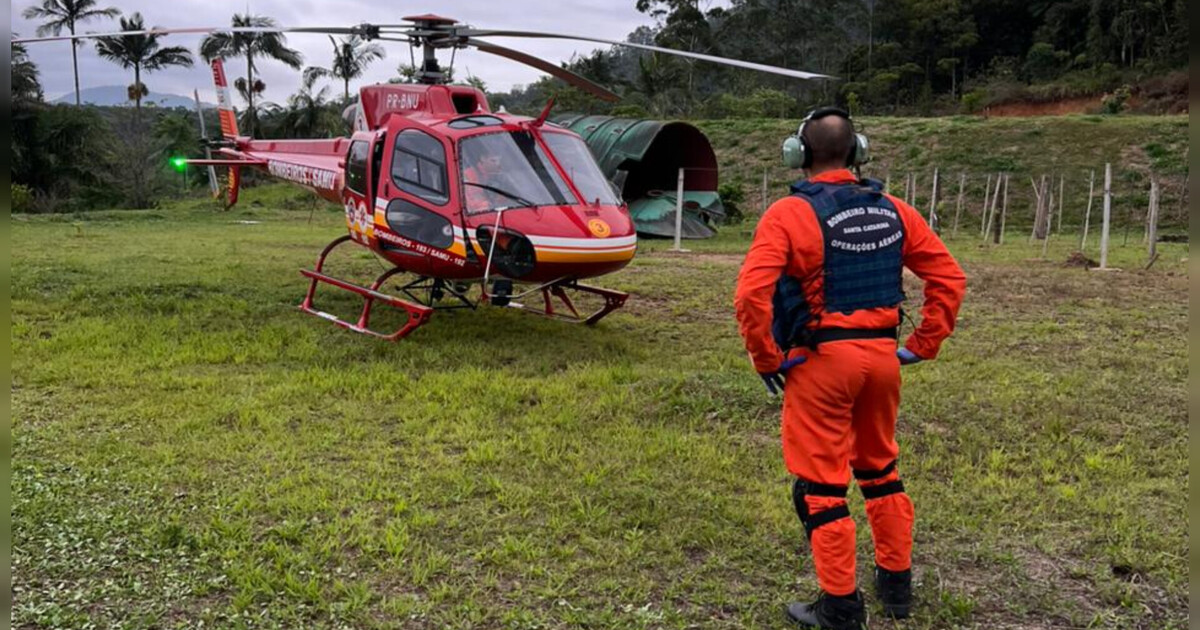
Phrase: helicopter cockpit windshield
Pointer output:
(576, 159)
(511, 170)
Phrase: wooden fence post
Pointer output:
(1037, 207)
(1152, 228)
(1149, 209)
(1107, 216)
(1043, 208)
(988, 196)
(1087, 216)
(991, 213)
(987, 190)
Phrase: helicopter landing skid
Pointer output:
(613, 300)
(417, 313)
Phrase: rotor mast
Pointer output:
(430, 32)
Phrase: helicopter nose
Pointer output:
(589, 236)
(557, 242)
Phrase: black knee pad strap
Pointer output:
(825, 517)
(883, 489)
(814, 489)
(802, 488)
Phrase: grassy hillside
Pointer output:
(1071, 146)
(188, 447)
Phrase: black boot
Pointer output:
(831, 612)
(894, 589)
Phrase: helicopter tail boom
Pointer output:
(228, 117)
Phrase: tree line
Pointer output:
(74, 158)
(894, 57)
(77, 158)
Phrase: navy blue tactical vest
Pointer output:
(863, 237)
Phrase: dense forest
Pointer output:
(902, 57)
(898, 57)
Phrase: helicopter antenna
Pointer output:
(450, 72)
(541, 119)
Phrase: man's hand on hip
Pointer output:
(775, 380)
(907, 357)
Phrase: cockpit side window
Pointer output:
(356, 167)
(419, 166)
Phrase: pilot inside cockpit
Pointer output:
(486, 169)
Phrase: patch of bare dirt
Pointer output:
(1077, 105)
(1079, 260)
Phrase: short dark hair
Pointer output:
(830, 138)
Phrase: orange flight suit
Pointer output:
(839, 407)
(478, 199)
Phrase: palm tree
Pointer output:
(351, 56)
(259, 110)
(25, 85)
(66, 14)
(250, 45)
(26, 93)
(140, 52)
(309, 114)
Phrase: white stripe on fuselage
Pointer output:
(600, 244)
(619, 242)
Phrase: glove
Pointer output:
(907, 357)
(774, 380)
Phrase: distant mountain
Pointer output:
(119, 95)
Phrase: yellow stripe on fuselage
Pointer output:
(563, 256)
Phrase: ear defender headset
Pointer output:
(797, 153)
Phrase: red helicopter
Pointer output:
(444, 189)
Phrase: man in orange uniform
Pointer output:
(817, 303)
(483, 171)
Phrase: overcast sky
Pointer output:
(608, 19)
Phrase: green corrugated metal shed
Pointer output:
(643, 158)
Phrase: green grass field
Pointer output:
(190, 448)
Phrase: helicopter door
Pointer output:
(416, 189)
(358, 216)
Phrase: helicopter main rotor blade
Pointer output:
(330, 30)
(583, 83)
(749, 65)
